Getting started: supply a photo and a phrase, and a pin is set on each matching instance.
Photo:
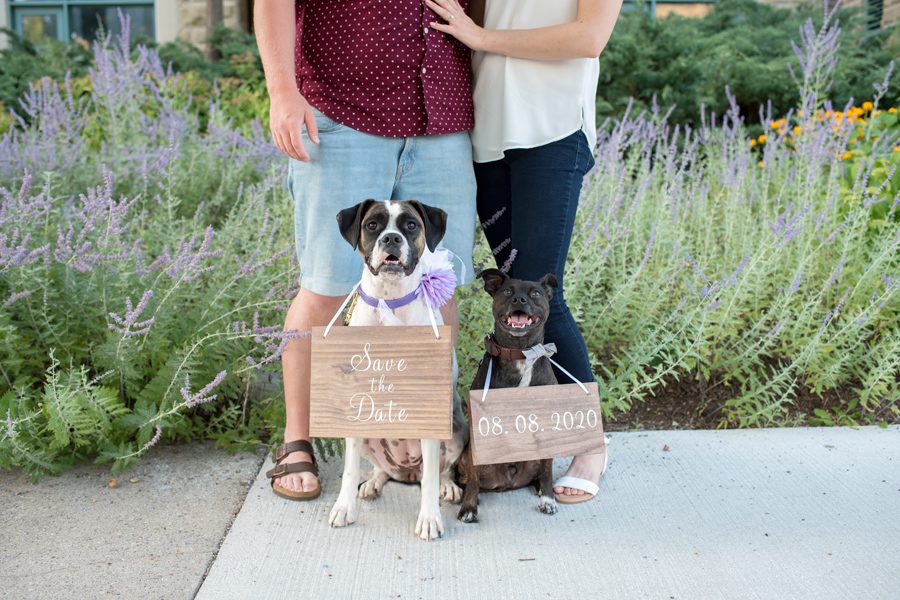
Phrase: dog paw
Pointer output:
(429, 527)
(371, 488)
(451, 492)
(547, 505)
(468, 515)
(342, 514)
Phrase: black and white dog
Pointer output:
(395, 238)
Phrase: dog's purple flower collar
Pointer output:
(437, 286)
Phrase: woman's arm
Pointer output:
(585, 37)
(275, 24)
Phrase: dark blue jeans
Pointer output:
(527, 202)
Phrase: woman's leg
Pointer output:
(546, 186)
(494, 209)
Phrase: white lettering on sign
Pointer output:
(367, 410)
(382, 382)
(364, 362)
(564, 421)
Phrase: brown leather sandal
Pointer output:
(299, 467)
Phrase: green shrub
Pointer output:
(686, 63)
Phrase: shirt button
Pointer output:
(425, 30)
(424, 70)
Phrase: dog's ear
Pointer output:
(493, 280)
(435, 221)
(349, 219)
(549, 282)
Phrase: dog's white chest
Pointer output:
(525, 371)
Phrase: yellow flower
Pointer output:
(761, 139)
(896, 148)
(762, 163)
(846, 155)
(752, 143)
(892, 110)
(799, 113)
(867, 106)
(781, 131)
(774, 125)
(797, 130)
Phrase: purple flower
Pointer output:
(154, 440)
(437, 286)
(493, 218)
(202, 396)
(10, 430)
(16, 296)
(507, 264)
(124, 325)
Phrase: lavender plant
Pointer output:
(763, 268)
(138, 253)
(146, 261)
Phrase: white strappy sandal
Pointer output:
(589, 488)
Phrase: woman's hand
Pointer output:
(458, 24)
(288, 113)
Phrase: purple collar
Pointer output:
(391, 304)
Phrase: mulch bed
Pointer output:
(687, 404)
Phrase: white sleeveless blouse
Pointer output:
(523, 103)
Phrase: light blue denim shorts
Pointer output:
(347, 167)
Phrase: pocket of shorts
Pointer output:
(324, 123)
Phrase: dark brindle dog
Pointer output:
(520, 311)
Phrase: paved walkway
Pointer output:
(788, 513)
(74, 537)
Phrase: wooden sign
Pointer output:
(381, 382)
(531, 423)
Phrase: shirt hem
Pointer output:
(529, 146)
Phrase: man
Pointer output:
(368, 102)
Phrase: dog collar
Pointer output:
(391, 304)
(495, 349)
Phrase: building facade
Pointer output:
(161, 20)
(167, 20)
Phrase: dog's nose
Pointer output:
(394, 239)
(520, 299)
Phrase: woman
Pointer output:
(535, 72)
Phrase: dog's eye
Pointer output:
(536, 293)
(412, 226)
(372, 225)
(507, 292)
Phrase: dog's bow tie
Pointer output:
(529, 355)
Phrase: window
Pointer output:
(38, 20)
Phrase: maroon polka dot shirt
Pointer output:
(377, 66)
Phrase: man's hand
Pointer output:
(288, 114)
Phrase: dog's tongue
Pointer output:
(518, 318)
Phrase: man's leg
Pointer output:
(345, 168)
(307, 310)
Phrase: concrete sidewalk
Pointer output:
(151, 536)
(787, 513)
